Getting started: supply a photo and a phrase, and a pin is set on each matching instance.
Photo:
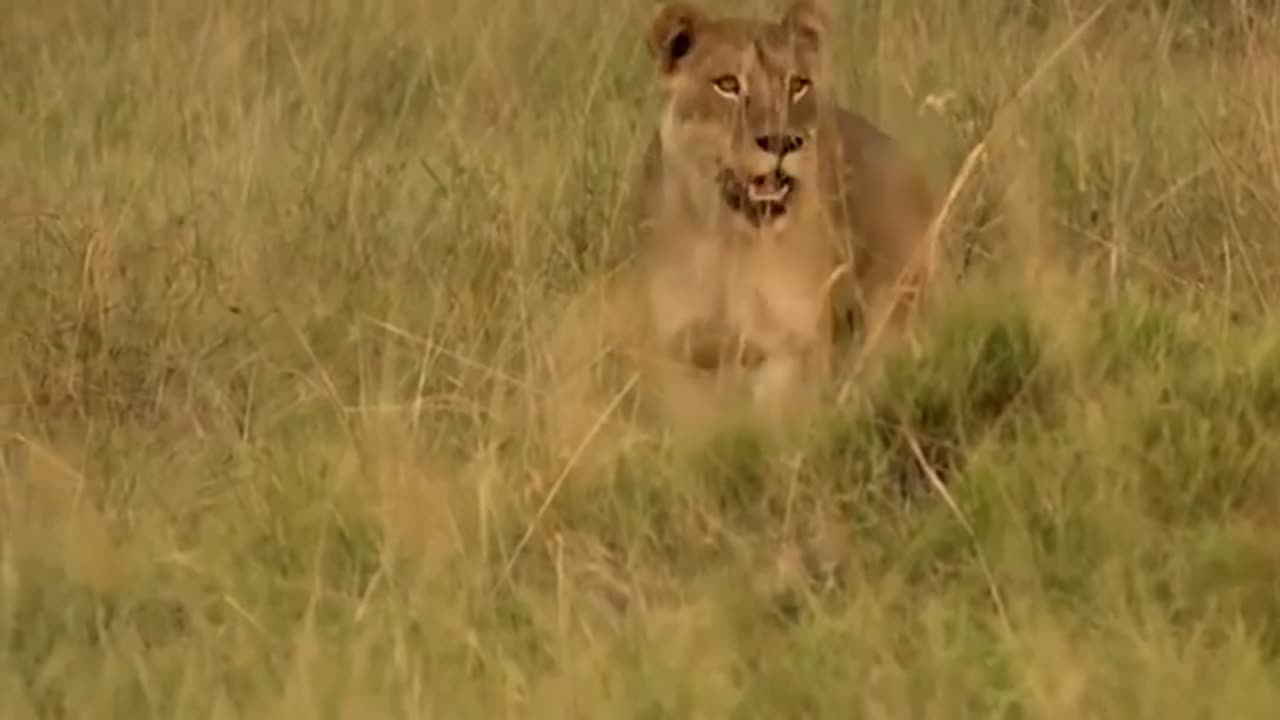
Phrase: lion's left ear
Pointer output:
(808, 19)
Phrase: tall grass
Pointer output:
(305, 407)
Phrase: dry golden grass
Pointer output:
(307, 409)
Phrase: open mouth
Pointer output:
(761, 199)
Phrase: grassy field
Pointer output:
(303, 411)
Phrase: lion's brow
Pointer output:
(771, 61)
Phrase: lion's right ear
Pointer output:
(673, 34)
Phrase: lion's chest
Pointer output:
(774, 297)
(768, 288)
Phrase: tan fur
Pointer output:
(769, 301)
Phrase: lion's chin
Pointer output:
(762, 200)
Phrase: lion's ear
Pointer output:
(807, 18)
(673, 33)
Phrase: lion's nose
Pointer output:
(780, 144)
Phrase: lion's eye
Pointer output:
(799, 86)
(727, 85)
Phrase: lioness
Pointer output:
(774, 223)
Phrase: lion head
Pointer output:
(742, 101)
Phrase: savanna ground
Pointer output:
(303, 412)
